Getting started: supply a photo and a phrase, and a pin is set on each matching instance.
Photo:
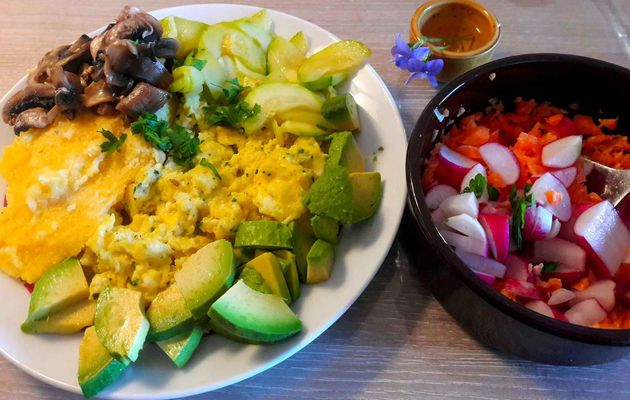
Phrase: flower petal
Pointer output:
(421, 53)
(433, 67)
(401, 62)
(415, 75)
(401, 47)
(432, 80)
(415, 65)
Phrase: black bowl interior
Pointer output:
(598, 88)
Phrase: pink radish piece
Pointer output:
(518, 268)
(566, 230)
(522, 289)
(566, 175)
(560, 296)
(548, 183)
(452, 166)
(541, 308)
(605, 235)
(489, 279)
(560, 251)
(538, 223)
(437, 194)
(477, 169)
(556, 225)
(563, 152)
(438, 217)
(481, 264)
(586, 313)
(567, 274)
(602, 291)
(497, 229)
(465, 203)
(502, 161)
(626, 258)
(465, 243)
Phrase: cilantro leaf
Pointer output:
(199, 64)
(550, 266)
(493, 193)
(519, 207)
(476, 185)
(152, 130)
(230, 115)
(232, 91)
(113, 143)
(208, 164)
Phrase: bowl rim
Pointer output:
(420, 211)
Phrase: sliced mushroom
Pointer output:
(97, 93)
(36, 95)
(37, 117)
(134, 24)
(70, 57)
(143, 98)
(123, 58)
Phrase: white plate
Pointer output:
(219, 362)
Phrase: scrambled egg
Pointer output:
(134, 217)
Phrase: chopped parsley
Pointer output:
(208, 164)
(113, 143)
(493, 193)
(230, 111)
(550, 266)
(199, 64)
(519, 207)
(477, 185)
(178, 142)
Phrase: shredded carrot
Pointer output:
(585, 125)
(582, 284)
(508, 294)
(609, 123)
(469, 151)
(553, 197)
(495, 180)
(555, 119)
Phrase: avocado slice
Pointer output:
(289, 269)
(97, 368)
(366, 194)
(268, 267)
(180, 348)
(247, 316)
(242, 255)
(168, 315)
(303, 239)
(59, 287)
(205, 276)
(345, 151)
(253, 279)
(263, 234)
(325, 228)
(320, 261)
(69, 320)
(120, 322)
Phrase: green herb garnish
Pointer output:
(113, 143)
(152, 131)
(519, 207)
(550, 266)
(230, 115)
(199, 64)
(208, 164)
(493, 193)
(232, 91)
(476, 185)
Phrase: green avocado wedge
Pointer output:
(345, 151)
(269, 269)
(120, 322)
(320, 261)
(168, 315)
(59, 287)
(97, 368)
(180, 348)
(245, 315)
(325, 228)
(303, 239)
(263, 235)
(206, 275)
(69, 320)
(289, 269)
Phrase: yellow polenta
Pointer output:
(135, 217)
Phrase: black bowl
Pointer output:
(599, 88)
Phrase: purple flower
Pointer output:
(415, 60)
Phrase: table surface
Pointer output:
(396, 341)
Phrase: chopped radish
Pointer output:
(489, 279)
(526, 290)
(547, 188)
(560, 296)
(466, 225)
(568, 274)
(437, 194)
(452, 166)
(465, 243)
(605, 235)
(438, 217)
(602, 291)
(481, 264)
(585, 313)
(477, 169)
(624, 299)
(465, 203)
(518, 268)
(555, 229)
(626, 258)
(497, 229)
(566, 175)
(562, 153)
(502, 161)
(566, 230)
(560, 251)
(538, 222)
(541, 308)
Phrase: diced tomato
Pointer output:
(564, 127)
(29, 286)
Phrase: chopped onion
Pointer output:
(437, 194)
(586, 313)
(602, 291)
(501, 160)
(560, 296)
(541, 308)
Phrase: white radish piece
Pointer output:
(465, 203)
(541, 308)
(602, 291)
(567, 229)
(438, 217)
(538, 223)
(437, 194)
(465, 243)
(603, 232)
(497, 229)
(502, 161)
(453, 166)
(560, 251)
(548, 183)
(477, 169)
(556, 225)
(566, 175)
(467, 225)
(518, 268)
(482, 264)
(563, 152)
(586, 313)
(560, 296)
